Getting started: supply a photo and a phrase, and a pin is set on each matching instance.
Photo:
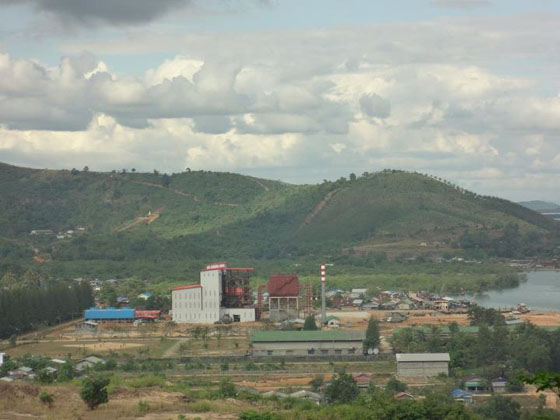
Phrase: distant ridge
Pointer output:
(540, 206)
(131, 218)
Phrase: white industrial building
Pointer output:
(222, 295)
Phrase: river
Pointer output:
(541, 292)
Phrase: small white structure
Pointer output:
(2, 357)
(307, 395)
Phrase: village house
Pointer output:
(474, 383)
(362, 380)
(276, 394)
(358, 293)
(332, 321)
(397, 317)
(441, 305)
(403, 396)
(499, 385)
(87, 326)
(462, 396)
(307, 395)
(87, 363)
(23, 372)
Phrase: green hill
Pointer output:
(146, 222)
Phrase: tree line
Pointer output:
(25, 309)
(493, 351)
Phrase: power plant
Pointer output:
(223, 294)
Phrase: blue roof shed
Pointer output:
(109, 314)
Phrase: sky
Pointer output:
(295, 90)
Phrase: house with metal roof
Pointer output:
(462, 396)
(307, 395)
(109, 314)
(475, 383)
(87, 363)
(499, 385)
(422, 364)
(307, 343)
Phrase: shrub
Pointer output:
(142, 408)
(255, 415)
(201, 407)
(227, 388)
(395, 385)
(46, 398)
(94, 391)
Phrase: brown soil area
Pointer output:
(105, 346)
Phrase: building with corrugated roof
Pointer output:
(109, 314)
(307, 343)
(422, 364)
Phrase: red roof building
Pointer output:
(283, 285)
(147, 315)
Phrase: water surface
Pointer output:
(541, 292)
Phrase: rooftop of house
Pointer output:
(91, 359)
(423, 357)
(298, 336)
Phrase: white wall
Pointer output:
(189, 306)
(201, 305)
(245, 314)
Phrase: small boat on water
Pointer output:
(522, 308)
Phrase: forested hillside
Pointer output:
(147, 223)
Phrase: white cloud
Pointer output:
(342, 101)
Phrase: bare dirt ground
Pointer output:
(21, 401)
(104, 346)
(358, 319)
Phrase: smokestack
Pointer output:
(323, 297)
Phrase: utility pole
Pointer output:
(323, 297)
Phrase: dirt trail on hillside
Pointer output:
(150, 218)
(261, 184)
(184, 194)
(318, 208)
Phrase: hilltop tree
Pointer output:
(94, 392)
(310, 324)
(165, 180)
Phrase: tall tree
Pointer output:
(342, 389)
(372, 339)
(310, 324)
